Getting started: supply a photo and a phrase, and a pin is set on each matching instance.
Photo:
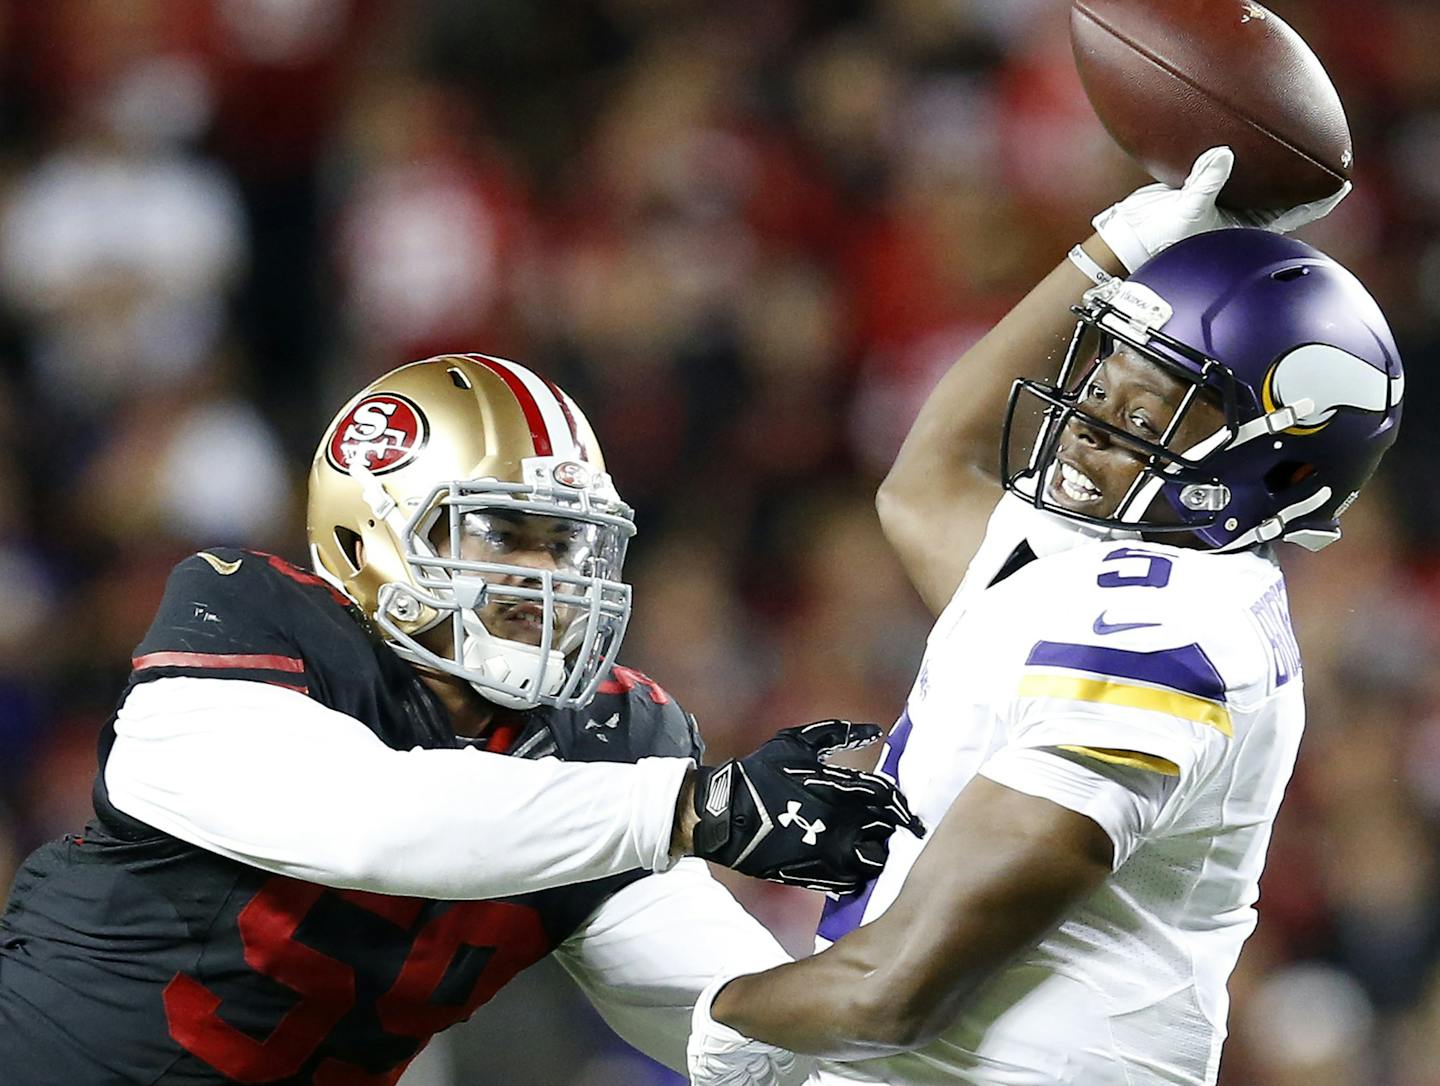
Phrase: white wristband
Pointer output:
(1091, 270)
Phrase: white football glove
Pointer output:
(720, 1056)
(1155, 216)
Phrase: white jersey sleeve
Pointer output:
(274, 779)
(1123, 800)
(646, 953)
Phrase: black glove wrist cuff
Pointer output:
(713, 785)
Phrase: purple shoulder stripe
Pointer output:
(1186, 669)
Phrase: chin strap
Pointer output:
(1272, 528)
(1050, 533)
(498, 662)
(515, 674)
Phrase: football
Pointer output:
(1169, 78)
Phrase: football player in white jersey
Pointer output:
(1110, 703)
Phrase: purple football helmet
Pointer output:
(1285, 340)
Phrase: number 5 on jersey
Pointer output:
(1154, 574)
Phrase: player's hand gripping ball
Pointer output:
(782, 814)
(1157, 216)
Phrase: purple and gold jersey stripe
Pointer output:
(1106, 692)
(1180, 682)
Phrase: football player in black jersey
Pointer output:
(337, 810)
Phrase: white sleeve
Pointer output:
(1124, 801)
(643, 957)
(271, 778)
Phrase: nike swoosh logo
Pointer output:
(219, 566)
(1102, 627)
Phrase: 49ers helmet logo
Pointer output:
(385, 430)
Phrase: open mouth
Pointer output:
(525, 622)
(1073, 485)
(523, 619)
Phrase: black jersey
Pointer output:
(129, 956)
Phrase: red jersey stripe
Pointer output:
(279, 565)
(503, 735)
(242, 661)
(538, 433)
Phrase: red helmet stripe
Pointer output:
(569, 419)
(538, 432)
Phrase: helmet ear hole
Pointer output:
(349, 544)
(1286, 474)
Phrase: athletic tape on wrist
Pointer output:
(1091, 270)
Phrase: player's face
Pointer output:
(534, 544)
(1096, 469)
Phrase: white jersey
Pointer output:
(1174, 670)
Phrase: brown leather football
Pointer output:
(1170, 78)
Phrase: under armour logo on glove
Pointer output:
(791, 817)
(742, 804)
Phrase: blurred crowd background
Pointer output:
(747, 237)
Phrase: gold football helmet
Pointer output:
(413, 491)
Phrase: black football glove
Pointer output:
(782, 814)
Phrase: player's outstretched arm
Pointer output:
(276, 780)
(942, 478)
(1001, 870)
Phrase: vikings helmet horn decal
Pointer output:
(1330, 378)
